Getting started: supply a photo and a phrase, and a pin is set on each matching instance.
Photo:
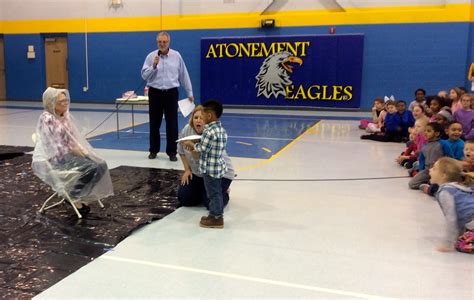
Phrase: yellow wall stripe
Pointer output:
(381, 15)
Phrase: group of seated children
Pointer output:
(439, 154)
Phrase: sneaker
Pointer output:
(152, 155)
(173, 158)
(212, 222)
(424, 187)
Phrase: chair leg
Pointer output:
(43, 207)
(68, 198)
(100, 203)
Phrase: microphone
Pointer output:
(159, 52)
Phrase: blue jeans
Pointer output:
(214, 193)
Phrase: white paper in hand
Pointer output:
(186, 106)
(189, 138)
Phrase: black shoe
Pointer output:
(173, 158)
(152, 155)
(84, 210)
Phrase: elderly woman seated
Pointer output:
(64, 159)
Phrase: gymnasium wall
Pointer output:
(407, 44)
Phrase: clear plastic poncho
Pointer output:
(63, 158)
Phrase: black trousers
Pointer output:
(90, 173)
(163, 102)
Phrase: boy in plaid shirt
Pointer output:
(211, 163)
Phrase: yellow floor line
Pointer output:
(254, 166)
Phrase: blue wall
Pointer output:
(398, 58)
(25, 78)
(470, 58)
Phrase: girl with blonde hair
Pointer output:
(456, 200)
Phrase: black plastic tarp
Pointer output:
(37, 250)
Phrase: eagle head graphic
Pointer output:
(274, 74)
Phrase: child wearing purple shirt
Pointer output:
(465, 116)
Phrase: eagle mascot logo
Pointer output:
(274, 74)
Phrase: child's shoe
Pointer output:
(212, 222)
(412, 172)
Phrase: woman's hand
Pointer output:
(186, 177)
(188, 145)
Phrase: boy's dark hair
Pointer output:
(214, 106)
(452, 122)
(420, 90)
(463, 89)
(471, 141)
(436, 127)
(402, 101)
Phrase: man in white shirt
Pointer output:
(164, 70)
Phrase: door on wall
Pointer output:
(55, 49)
(2, 72)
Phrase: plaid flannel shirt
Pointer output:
(211, 146)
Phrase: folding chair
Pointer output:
(60, 192)
(64, 196)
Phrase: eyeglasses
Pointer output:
(162, 42)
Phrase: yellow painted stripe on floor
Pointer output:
(264, 162)
(351, 16)
(243, 143)
(266, 150)
(294, 141)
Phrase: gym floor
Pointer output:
(319, 214)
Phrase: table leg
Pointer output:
(117, 112)
(133, 120)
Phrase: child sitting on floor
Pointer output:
(392, 128)
(465, 116)
(419, 141)
(468, 162)
(457, 203)
(406, 119)
(444, 117)
(376, 114)
(434, 104)
(433, 150)
(454, 142)
(409, 155)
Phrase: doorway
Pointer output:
(55, 49)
